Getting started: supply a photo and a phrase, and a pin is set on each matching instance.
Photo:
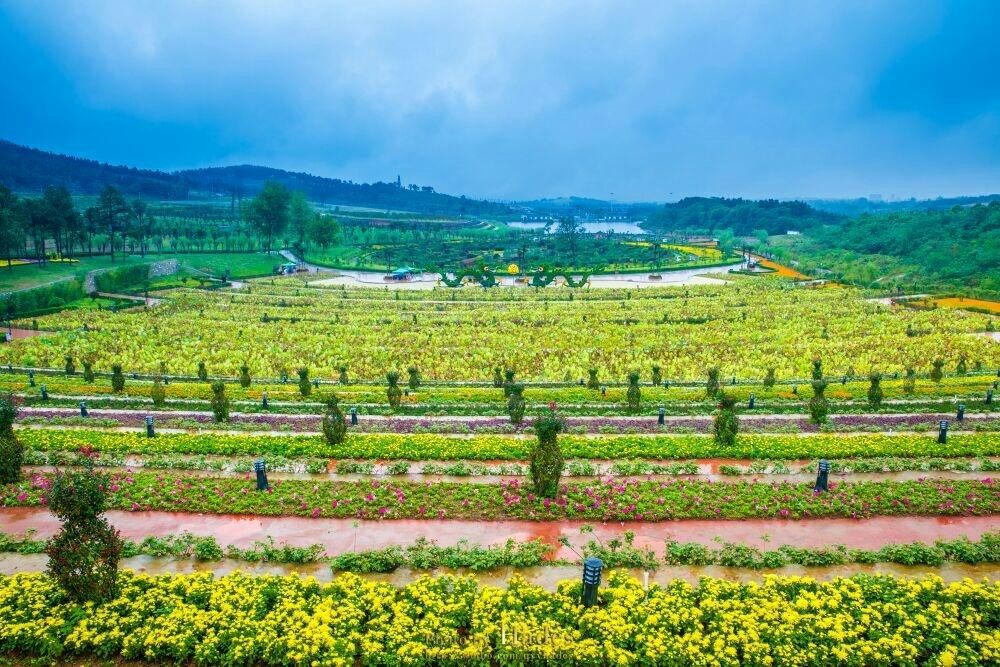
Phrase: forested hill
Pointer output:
(953, 249)
(742, 216)
(250, 179)
(24, 169)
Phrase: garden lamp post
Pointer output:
(750, 403)
(354, 416)
(31, 378)
(961, 412)
(660, 418)
(149, 426)
(943, 432)
(822, 477)
(45, 393)
(83, 408)
(989, 397)
(260, 468)
(263, 400)
(591, 580)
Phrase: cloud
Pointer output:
(522, 99)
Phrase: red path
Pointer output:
(340, 535)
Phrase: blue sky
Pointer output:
(646, 100)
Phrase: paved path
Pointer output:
(340, 535)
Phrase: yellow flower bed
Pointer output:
(240, 619)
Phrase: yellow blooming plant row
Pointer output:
(241, 620)
(428, 446)
(967, 386)
(744, 330)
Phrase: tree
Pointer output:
(818, 405)
(393, 392)
(324, 231)
(220, 402)
(112, 213)
(60, 218)
(633, 395)
(547, 462)
(268, 212)
(300, 216)
(11, 450)
(515, 404)
(11, 224)
(726, 424)
(83, 557)
(141, 223)
(334, 423)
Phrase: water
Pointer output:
(587, 227)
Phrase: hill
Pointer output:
(865, 205)
(25, 169)
(742, 216)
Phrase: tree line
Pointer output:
(31, 227)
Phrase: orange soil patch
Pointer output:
(960, 302)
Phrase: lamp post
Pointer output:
(354, 416)
(149, 426)
(943, 432)
(961, 412)
(752, 401)
(260, 468)
(83, 408)
(660, 418)
(591, 580)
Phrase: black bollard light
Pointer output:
(149, 427)
(134, 376)
(166, 379)
(591, 580)
(45, 393)
(943, 432)
(284, 377)
(752, 401)
(316, 383)
(843, 380)
(354, 416)
(660, 418)
(822, 476)
(989, 397)
(263, 400)
(31, 378)
(604, 391)
(83, 409)
(734, 379)
(961, 412)
(260, 468)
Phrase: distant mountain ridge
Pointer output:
(28, 169)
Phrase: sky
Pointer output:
(633, 101)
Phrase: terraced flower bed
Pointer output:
(245, 619)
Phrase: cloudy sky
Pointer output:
(506, 99)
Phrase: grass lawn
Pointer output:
(31, 275)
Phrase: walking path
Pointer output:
(343, 535)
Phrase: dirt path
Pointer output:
(341, 535)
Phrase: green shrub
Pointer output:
(220, 402)
(817, 369)
(88, 370)
(343, 375)
(83, 557)
(70, 366)
(158, 392)
(909, 383)
(117, 378)
(592, 381)
(633, 394)
(546, 462)
(414, 377)
(508, 381)
(875, 394)
(498, 377)
(11, 450)
(393, 393)
(245, 376)
(769, 379)
(515, 404)
(818, 405)
(305, 387)
(202, 371)
(712, 385)
(937, 374)
(334, 423)
(656, 378)
(726, 424)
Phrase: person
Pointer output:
(823, 477)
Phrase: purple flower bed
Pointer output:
(609, 425)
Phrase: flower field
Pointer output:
(449, 459)
(266, 620)
(744, 329)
